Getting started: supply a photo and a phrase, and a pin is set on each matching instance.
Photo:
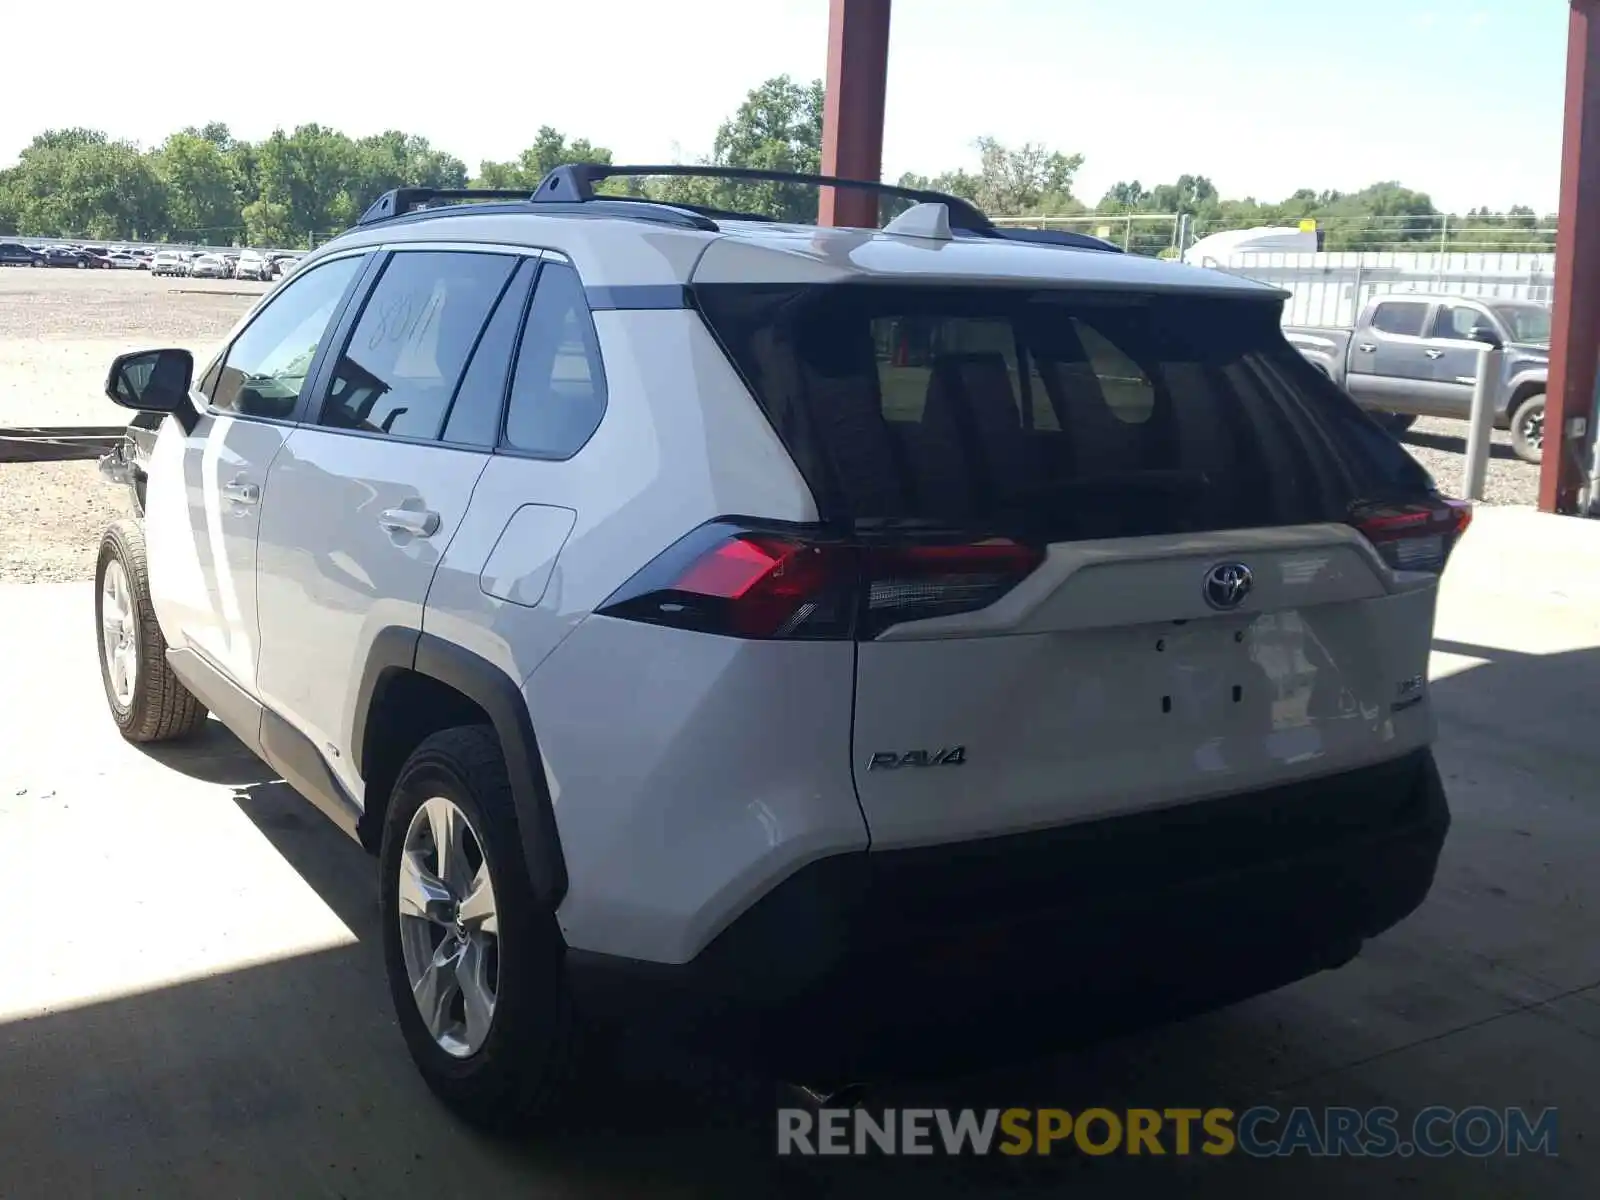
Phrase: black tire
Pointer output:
(1527, 429)
(1397, 423)
(525, 1065)
(160, 708)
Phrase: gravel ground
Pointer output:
(51, 518)
(60, 329)
(1440, 445)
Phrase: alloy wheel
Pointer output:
(1533, 430)
(118, 634)
(449, 927)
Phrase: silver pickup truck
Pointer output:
(1412, 356)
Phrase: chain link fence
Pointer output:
(1334, 268)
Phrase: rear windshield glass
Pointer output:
(1068, 414)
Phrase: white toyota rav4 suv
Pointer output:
(833, 637)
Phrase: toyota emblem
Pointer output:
(1226, 585)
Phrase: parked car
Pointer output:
(123, 262)
(1411, 356)
(69, 256)
(15, 254)
(252, 265)
(169, 262)
(209, 266)
(839, 635)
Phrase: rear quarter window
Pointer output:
(558, 387)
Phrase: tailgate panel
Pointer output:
(1078, 702)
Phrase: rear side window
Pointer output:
(1067, 415)
(1402, 317)
(409, 347)
(558, 393)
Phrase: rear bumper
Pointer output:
(1096, 927)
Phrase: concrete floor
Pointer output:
(199, 1008)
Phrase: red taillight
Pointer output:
(1414, 536)
(771, 586)
(758, 584)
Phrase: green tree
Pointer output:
(550, 150)
(10, 205)
(778, 127)
(215, 132)
(76, 182)
(244, 163)
(304, 181)
(1025, 181)
(394, 159)
(267, 224)
(202, 197)
(203, 183)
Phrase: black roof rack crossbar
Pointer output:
(399, 201)
(637, 207)
(575, 182)
(403, 201)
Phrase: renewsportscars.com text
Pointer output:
(1259, 1132)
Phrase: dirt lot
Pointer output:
(60, 329)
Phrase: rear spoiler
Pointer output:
(1059, 237)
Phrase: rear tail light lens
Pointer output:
(1414, 536)
(761, 584)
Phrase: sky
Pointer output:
(1458, 98)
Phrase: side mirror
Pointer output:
(1487, 334)
(151, 380)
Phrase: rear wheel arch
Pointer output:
(415, 684)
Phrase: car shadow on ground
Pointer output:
(1455, 445)
(290, 1078)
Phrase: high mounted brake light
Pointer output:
(1414, 536)
(751, 583)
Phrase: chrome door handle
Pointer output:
(241, 492)
(1434, 353)
(1367, 347)
(406, 520)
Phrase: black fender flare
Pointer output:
(395, 650)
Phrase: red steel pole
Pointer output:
(1575, 338)
(852, 111)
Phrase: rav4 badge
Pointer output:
(885, 760)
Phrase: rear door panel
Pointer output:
(333, 570)
(1391, 371)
